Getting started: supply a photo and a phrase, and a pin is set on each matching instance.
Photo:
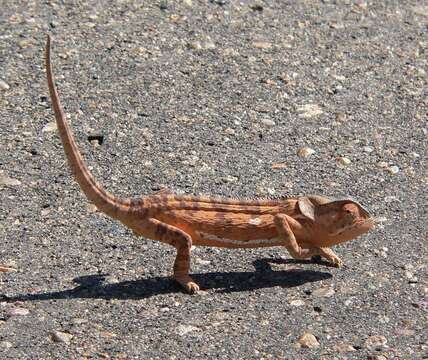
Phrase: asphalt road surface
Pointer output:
(234, 98)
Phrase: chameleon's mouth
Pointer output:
(366, 224)
(360, 226)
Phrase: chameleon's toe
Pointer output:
(187, 284)
(7, 269)
(337, 262)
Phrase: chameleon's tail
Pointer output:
(103, 200)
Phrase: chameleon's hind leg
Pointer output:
(285, 233)
(329, 254)
(183, 243)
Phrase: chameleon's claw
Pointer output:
(187, 284)
(337, 262)
(329, 255)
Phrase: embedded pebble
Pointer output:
(343, 347)
(404, 332)
(5, 344)
(375, 342)
(61, 337)
(49, 127)
(17, 311)
(195, 45)
(368, 149)
(341, 117)
(308, 340)
(420, 10)
(268, 122)
(309, 110)
(343, 160)
(262, 45)
(92, 208)
(305, 152)
(208, 44)
(4, 85)
(376, 357)
(323, 292)
(297, 302)
(411, 277)
(279, 166)
(393, 169)
(361, 4)
(8, 181)
(202, 262)
(185, 329)
(382, 164)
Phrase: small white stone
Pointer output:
(229, 131)
(382, 164)
(368, 149)
(18, 311)
(343, 347)
(309, 110)
(271, 191)
(420, 10)
(185, 329)
(49, 127)
(305, 152)
(268, 122)
(262, 45)
(297, 302)
(5, 344)
(393, 169)
(61, 337)
(339, 77)
(348, 302)
(8, 181)
(202, 262)
(4, 85)
(308, 340)
(375, 342)
(323, 292)
(196, 45)
(92, 208)
(343, 160)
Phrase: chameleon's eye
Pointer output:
(350, 208)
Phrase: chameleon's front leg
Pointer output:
(182, 242)
(329, 254)
(286, 234)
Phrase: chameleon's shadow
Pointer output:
(97, 286)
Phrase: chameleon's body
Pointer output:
(306, 226)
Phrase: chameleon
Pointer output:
(306, 226)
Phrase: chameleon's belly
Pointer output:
(224, 229)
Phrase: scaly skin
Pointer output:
(305, 226)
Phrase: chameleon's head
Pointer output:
(341, 219)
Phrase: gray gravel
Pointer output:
(214, 97)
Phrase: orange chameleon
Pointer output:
(305, 226)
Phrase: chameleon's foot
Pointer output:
(7, 269)
(329, 254)
(337, 262)
(187, 283)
